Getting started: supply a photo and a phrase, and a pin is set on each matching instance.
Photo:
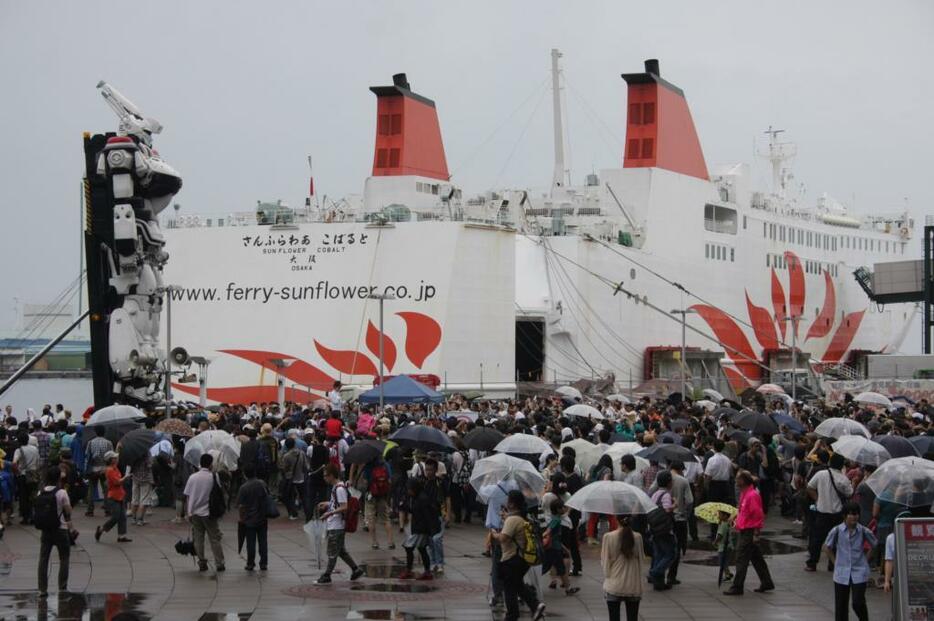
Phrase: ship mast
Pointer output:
(557, 180)
(778, 153)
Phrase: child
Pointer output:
(554, 551)
(425, 524)
(723, 544)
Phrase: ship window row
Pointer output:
(779, 261)
(824, 241)
(718, 252)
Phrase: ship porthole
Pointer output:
(632, 273)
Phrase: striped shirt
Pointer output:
(96, 449)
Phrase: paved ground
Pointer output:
(148, 577)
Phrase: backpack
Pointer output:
(352, 513)
(55, 446)
(45, 511)
(334, 456)
(379, 481)
(660, 522)
(263, 460)
(462, 476)
(532, 552)
(217, 501)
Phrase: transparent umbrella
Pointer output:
(224, 447)
(619, 398)
(490, 475)
(115, 413)
(586, 453)
(905, 481)
(570, 392)
(611, 498)
(522, 444)
(862, 450)
(616, 452)
(839, 427)
(584, 411)
(873, 398)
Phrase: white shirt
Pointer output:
(335, 398)
(719, 467)
(828, 500)
(335, 521)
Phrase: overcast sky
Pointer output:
(246, 90)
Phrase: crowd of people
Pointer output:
(301, 459)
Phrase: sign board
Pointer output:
(914, 569)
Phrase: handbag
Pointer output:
(272, 509)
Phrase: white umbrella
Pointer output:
(620, 398)
(162, 446)
(584, 411)
(501, 473)
(839, 427)
(862, 450)
(713, 394)
(113, 414)
(706, 404)
(569, 391)
(873, 398)
(766, 389)
(616, 452)
(224, 447)
(611, 498)
(522, 444)
(586, 453)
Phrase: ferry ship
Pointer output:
(663, 268)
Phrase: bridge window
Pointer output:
(719, 219)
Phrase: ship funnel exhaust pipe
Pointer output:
(651, 66)
(400, 80)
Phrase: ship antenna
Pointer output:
(558, 178)
(777, 154)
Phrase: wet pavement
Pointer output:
(148, 580)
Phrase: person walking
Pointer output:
(378, 490)
(96, 468)
(26, 469)
(53, 517)
(252, 500)
(115, 500)
(829, 490)
(143, 490)
(512, 567)
(684, 501)
(718, 474)
(334, 517)
(292, 469)
(198, 496)
(750, 519)
(661, 525)
(848, 545)
(424, 525)
(622, 556)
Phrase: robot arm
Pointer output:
(132, 120)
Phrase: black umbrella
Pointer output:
(364, 451)
(675, 438)
(755, 422)
(679, 424)
(924, 444)
(724, 411)
(483, 439)
(740, 436)
(422, 438)
(113, 431)
(135, 445)
(898, 446)
(667, 452)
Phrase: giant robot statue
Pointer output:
(127, 185)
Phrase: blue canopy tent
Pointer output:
(402, 389)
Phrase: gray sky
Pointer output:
(247, 90)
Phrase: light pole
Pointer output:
(684, 312)
(280, 364)
(794, 354)
(169, 289)
(202, 363)
(382, 297)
